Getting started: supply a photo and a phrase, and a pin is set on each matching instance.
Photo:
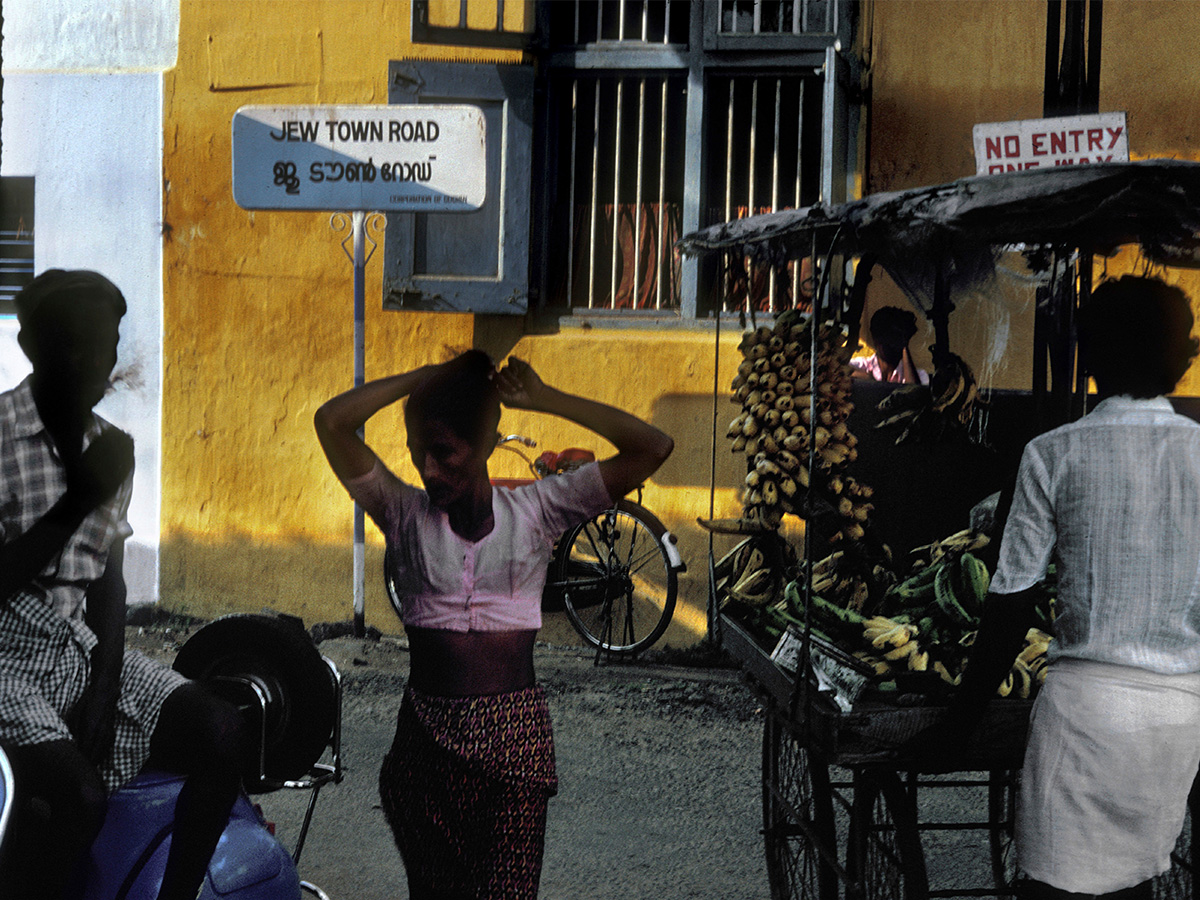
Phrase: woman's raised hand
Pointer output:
(519, 385)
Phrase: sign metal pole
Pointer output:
(359, 257)
(422, 158)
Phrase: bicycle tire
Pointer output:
(616, 581)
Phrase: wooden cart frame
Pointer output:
(839, 803)
(932, 241)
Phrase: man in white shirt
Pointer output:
(1114, 501)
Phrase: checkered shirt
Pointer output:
(32, 480)
(45, 647)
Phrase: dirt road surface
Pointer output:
(659, 783)
(659, 771)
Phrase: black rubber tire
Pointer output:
(600, 568)
(280, 656)
(884, 858)
(799, 832)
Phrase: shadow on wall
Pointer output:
(688, 419)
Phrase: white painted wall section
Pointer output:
(82, 114)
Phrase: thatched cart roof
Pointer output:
(957, 229)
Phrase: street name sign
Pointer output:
(1042, 143)
(393, 158)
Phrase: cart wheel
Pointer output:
(798, 827)
(1002, 795)
(884, 856)
(1178, 881)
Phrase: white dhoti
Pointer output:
(1112, 754)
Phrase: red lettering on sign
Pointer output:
(1012, 145)
(1114, 135)
(1039, 141)
(992, 148)
(1095, 139)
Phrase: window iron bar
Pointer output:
(637, 203)
(594, 198)
(772, 285)
(775, 17)
(616, 219)
(797, 282)
(729, 184)
(571, 189)
(662, 257)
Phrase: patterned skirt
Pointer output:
(465, 788)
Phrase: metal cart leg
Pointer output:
(884, 856)
(1178, 883)
(798, 826)
(1002, 807)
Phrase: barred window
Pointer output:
(650, 119)
(16, 239)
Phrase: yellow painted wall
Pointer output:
(258, 316)
(941, 66)
(258, 332)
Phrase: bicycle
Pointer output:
(616, 575)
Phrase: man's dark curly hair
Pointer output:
(461, 394)
(1135, 336)
(48, 291)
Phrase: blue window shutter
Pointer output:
(478, 261)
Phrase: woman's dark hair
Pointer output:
(1135, 336)
(461, 394)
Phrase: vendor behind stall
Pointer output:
(891, 330)
(1114, 500)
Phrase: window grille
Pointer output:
(16, 239)
(618, 208)
(638, 22)
(764, 17)
(767, 129)
(623, 137)
(507, 30)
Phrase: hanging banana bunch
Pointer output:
(779, 425)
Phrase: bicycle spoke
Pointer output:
(618, 584)
(650, 556)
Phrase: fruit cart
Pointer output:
(840, 800)
(841, 795)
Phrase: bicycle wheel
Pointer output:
(616, 580)
(799, 835)
(1002, 807)
(884, 856)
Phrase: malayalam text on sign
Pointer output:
(417, 158)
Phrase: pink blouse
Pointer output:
(495, 583)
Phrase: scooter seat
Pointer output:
(130, 854)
